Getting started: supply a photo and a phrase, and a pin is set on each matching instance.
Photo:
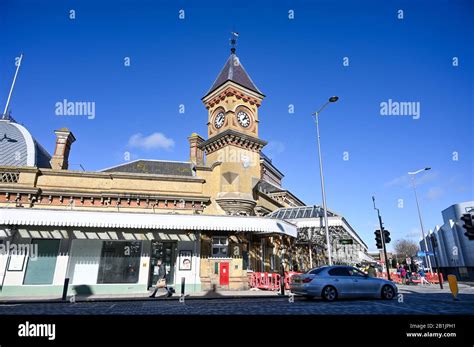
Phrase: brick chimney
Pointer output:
(64, 139)
(196, 155)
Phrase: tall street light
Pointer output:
(413, 174)
(316, 119)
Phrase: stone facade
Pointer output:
(227, 170)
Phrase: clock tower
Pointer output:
(232, 103)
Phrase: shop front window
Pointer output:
(41, 266)
(220, 247)
(165, 252)
(272, 262)
(245, 256)
(119, 262)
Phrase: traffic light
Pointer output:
(434, 241)
(378, 239)
(468, 225)
(386, 236)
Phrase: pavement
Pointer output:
(468, 284)
(467, 287)
(413, 300)
(161, 295)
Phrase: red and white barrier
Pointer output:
(269, 281)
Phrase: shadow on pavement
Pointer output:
(212, 294)
(83, 290)
(464, 300)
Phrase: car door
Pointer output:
(340, 278)
(363, 285)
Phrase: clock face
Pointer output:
(219, 120)
(243, 119)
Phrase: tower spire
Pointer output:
(233, 41)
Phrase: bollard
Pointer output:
(282, 285)
(66, 285)
(453, 286)
(183, 281)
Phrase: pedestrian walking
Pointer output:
(282, 279)
(403, 275)
(423, 279)
(371, 271)
(161, 282)
(409, 274)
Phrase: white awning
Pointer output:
(130, 220)
(363, 256)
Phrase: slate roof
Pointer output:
(155, 167)
(234, 71)
(19, 148)
(43, 158)
(268, 162)
(268, 188)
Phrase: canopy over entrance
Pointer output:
(130, 220)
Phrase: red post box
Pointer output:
(224, 274)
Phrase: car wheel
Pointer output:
(329, 293)
(388, 293)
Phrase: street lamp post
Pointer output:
(412, 174)
(316, 119)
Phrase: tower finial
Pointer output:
(233, 41)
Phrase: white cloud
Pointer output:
(273, 148)
(406, 181)
(428, 177)
(398, 181)
(434, 193)
(153, 141)
(414, 232)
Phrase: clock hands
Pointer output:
(219, 122)
(5, 137)
(243, 119)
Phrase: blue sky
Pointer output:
(296, 62)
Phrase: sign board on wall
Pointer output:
(185, 260)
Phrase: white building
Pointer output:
(110, 252)
(455, 252)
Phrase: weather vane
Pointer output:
(233, 41)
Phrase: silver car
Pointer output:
(332, 282)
